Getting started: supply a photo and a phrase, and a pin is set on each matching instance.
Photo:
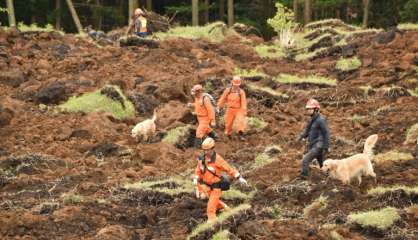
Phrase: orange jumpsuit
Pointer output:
(217, 165)
(205, 115)
(236, 109)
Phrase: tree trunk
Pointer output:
(11, 13)
(295, 9)
(195, 12)
(206, 12)
(98, 16)
(307, 11)
(75, 16)
(221, 10)
(58, 14)
(366, 4)
(149, 5)
(133, 4)
(230, 12)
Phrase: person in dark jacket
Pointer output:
(318, 136)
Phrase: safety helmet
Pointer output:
(208, 144)
(196, 88)
(236, 81)
(138, 12)
(312, 103)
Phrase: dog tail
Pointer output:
(154, 117)
(369, 144)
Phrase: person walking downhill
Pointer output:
(205, 114)
(236, 110)
(209, 180)
(318, 136)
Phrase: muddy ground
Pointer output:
(46, 153)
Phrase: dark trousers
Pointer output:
(315, 152)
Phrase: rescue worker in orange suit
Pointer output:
(205, 113)
(236, 110)
(209, 180)
(138, 24)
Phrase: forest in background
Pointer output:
(109, 14)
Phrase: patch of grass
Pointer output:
(392, 156)
(163, 186)
(215, 32)
(267, 90)
(383, 190)
(357, 118)
(270, 51)
(35, 28)
(221, 235)
(264, 158)
(308, 55)
(413, 209)
(408, 26)
(334, 235)
(71, 198)
(249, 72)
(95, 101)
(348, 64)
(237, 194)
(313, 79)
(366, 90)
(174, 135)
(219, 220)
(412, 134)
(276, 211)
(316, 206)
(380, 219)
(256, 124)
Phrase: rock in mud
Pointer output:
(60, 50)
(143, 103)
(12, 78)
(104, 150)
(6, 116)
(52, 94)
(113, 232)
(113, 94)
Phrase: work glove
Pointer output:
(242, 180)
(189, 104)
(213, 124)
(197, 192)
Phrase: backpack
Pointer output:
(224, 184)
(212, 100)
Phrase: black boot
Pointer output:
(241, 136)
(213, 135)
(198, 143)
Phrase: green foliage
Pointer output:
(214, 32)
(408, 26)
(176, 134)
(249, 72)
(283, 20)
(95, 101)
(270, 51)
(35, 28)
(383, 190)
(256, 124)
(393, 156)
(221, 235)
(348, 64)
(313, 79)
(409, 12)
(380, 219)
(219, 220)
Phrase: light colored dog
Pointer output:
(145, 130)
(355, 166)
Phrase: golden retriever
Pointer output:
(354, 166)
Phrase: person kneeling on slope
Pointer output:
(236, 110)
(209, 180)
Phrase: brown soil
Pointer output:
(45, 153)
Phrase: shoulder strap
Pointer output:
(202, 158)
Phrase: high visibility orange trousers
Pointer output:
(231, 115)
(214, 203)
(203, 128)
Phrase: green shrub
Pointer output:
(348, 64)
(380, 219)
(313, 79)
(176, 134)
(283, 20)
(219, 220)
(95, 101)
(270, 51)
